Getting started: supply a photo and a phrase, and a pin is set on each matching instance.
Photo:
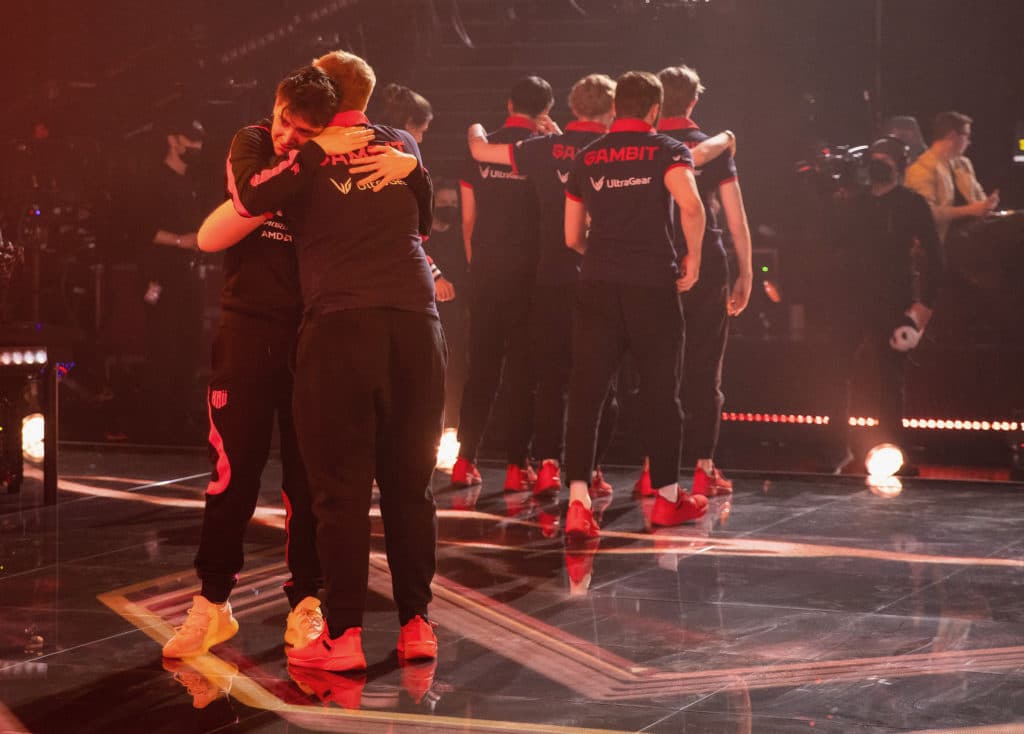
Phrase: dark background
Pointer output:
(789, 76)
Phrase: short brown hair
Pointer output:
(354, 77)
(635, 92)
(592, 96)
(682, 85)
(403, 106)
(949, 122)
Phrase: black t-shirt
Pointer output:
(546, 160)
(505, 232)
(710, 177)
(261, 273)
(171, 204)
(620, 178)
(880, 235)
(356, 248)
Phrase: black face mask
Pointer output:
(446, 215)
(880, 172)
(191, 156)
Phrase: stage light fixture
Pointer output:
(32, 432)
(884, 460)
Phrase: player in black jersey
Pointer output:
(251, 381)
(631, 275)
(369, 381)
(499, 223)
(709, 304)
(546, 161)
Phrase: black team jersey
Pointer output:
(710, 177)
(261, 273)
(505, 232)
(546, 160)
(356, 248)
(620, 179)
(170, 204)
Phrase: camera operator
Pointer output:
(886, 300)
(944, 176)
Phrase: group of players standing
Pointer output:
(577, 244)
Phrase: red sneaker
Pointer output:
(416, 640)
(579, 522)
(345, 690)
(549, 479)
(519, 478)
(342, 653)
(643, 486)
(687, 507)
(710, 485)
(599, 487)
(465, 473)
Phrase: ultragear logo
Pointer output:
(344, 188)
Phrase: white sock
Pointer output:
(579, 492)
(670, 492)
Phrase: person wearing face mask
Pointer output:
(890, 265)
(173, 297)
(445, 247)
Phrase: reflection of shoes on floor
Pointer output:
(579, 564)
(547, 516)
(206, 624)
(519, 478)
(598, 486)
(466, 499)
(343, 689)
(579, 522)
(418, 677)
(465, 473)
(687, 507)
(643, 487)
(342, 653)
(416, 640)
(710, 485)
(305, 623)
(549, 478)
(204, 689)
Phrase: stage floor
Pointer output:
(803, 603)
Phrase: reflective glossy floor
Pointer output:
(801, 604)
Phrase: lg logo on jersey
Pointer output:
(343, 188)
(598, 184)
(563, 177)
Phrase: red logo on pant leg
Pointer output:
(218, 398)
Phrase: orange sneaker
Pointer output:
(416, 640)
(687, 507)
(710, 485)
(342, 653)
(599, 487)
(549, 478)
(465, 473)
(579, 522)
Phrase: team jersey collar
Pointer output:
(586, 126)
(630, 125)
(348, 119)
(677, 123)
(520, 121)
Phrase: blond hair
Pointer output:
(354, 77)
(592, 96)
